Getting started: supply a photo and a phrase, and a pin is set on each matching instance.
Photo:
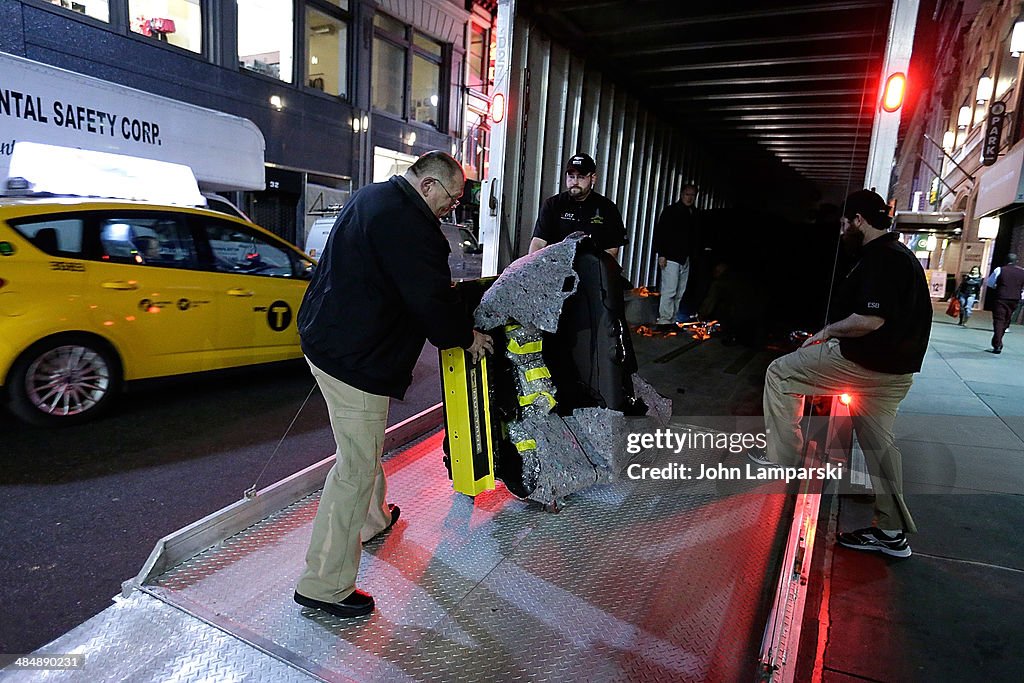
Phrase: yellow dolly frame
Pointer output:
(467, 421)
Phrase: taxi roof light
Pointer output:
(64, 171)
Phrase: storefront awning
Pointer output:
(944, 222)
(1000, 185)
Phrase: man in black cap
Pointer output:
(579, 208)
(873, 344)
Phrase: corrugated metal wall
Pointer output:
(559, 105)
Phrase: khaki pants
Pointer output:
(673, 285)
(353, 503)
(821, 370)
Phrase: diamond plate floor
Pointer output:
(653, 580)
(636, 580)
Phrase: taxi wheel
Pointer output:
(64, 380)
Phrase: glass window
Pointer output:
(265, 37)
(97, 9)
(388, 77)
(426, 82)
(177, 22)
(386, 23)
(148, 240)
(238, 250)
(427, 45)
(413, 69)
(326, 50)
(478, 58)
(55, 236)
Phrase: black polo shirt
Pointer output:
(561, 215)
(887, 282)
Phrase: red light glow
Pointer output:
(846, 399)
(895, 87)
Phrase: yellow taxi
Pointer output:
(96, 293)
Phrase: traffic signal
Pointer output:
(892, 94)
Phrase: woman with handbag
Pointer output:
(967, 293)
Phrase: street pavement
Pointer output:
(953, 610)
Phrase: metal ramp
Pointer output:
(637, 580)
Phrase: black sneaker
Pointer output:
(357, 604)
(759, 456)
(871, 538)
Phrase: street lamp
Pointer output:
(963, 119)
(1017, 38)
(985, 86)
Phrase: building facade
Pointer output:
(345, 92)
(958, 171)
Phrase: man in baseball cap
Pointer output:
(579, 208)
(582, 164)
(875, 340)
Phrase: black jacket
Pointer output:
(675, 232)
(382, 287)
(970, 285)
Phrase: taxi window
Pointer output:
(239, 250)
(152, 240)
(54, 236)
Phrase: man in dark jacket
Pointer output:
(874, 342)
(380, 290)
(1009, 282)
(674, 237)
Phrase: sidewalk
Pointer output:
(954, 611)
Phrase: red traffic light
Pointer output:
(892, 95)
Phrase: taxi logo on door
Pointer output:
(279, 316)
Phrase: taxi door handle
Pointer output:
(240, 292)
(120, 284)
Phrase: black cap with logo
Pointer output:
(871, 206)
(581, 163)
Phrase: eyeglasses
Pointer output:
(455, 202)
